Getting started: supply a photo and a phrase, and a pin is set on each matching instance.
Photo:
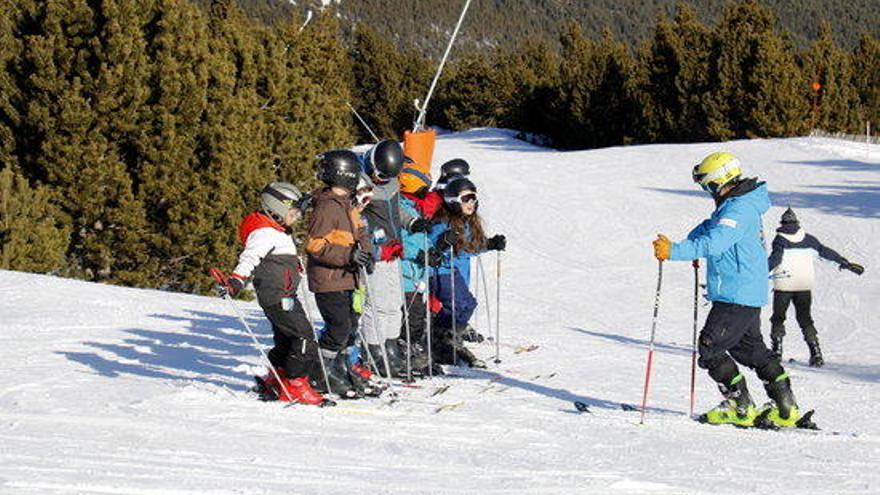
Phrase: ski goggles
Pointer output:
(467, 197)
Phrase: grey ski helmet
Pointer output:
(385, 160)
(339, 168)
(279, 197)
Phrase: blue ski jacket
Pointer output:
(732, 241)
(413, 269)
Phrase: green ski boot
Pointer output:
(737, 407)
(783, 412)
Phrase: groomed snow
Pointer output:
(108, 390)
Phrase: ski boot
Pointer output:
(469, 334)
(300, 391)
(337, 374)
(737, 407)
(468, 357)
(816, 360)
(362, 378)
(783, 411)
(266, 386)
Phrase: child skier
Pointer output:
(385, 219)
(791, 264)
(338, 250)
(459, 235)
(731, 241)
(270, 257)
(415, 265)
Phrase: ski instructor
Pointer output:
(731, 240)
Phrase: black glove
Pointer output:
(853, 267)
(435, 257)
(360, 258)
(233, 286)
(420, 225)
(447, 240)
(497, 243)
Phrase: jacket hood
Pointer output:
(751, 192)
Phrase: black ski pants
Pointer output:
(803, 301)
(295, 350)
(415, 310)
(732, 334)
(340, 319)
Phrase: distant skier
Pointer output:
(791, 266)
(270, 257)
(459, 229)
(737, 279)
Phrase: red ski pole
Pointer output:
(694, 340)
(651, 346)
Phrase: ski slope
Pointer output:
(107, 390)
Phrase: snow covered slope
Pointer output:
(113, 390)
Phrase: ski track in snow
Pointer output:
(108, 390)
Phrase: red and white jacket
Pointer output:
(270, 257)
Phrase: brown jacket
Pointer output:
(334, 230)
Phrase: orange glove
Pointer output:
(662, 247)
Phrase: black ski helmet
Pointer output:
(339, 168)
(385, 160)
(789, 216)
(456, 166)
(457, 185)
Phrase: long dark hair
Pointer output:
(452, 216)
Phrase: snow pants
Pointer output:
(340, 319)
(295, 350)
(415, 310)
(732, 334)
(382, 308)
(802, 302)
(465, 302)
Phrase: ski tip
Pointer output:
(806, 421)
(327, 403)
(582, 407)
(628, 407)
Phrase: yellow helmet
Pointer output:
(716, 170)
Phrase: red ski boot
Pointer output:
(300, 390)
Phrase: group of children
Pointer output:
(385, 259)
(388, 257)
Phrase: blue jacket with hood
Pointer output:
(732, 241)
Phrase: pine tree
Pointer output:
(835, 99)
(475, 93)
(31, 238)
(10, 99)
(866, 67)
(378, 89)
(755, 75)
(597, 97)
(534, 72)
(65, 143)
(676, 78)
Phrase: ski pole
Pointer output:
(307, 307)
(651, 346)
(482, 275)
(219, 277)
(452, 286)
(428, 309)
(694, 339)
(497, 306)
